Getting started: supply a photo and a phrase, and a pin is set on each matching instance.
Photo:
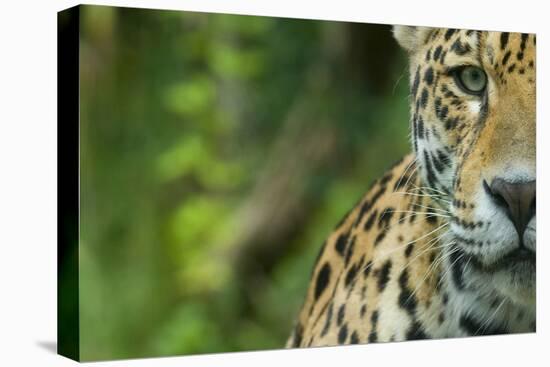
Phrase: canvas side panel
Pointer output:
(68, 330)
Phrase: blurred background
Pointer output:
(217, 154)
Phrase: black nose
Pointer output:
(518, 199)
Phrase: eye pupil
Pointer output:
(472, 79)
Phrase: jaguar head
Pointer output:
(473, 131)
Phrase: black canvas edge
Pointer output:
(68, 218)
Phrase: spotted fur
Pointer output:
(427, 252)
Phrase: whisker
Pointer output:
(422, 188)
(432, 208)
(399, 221)
(404, 219)
(431, 189)
(425, 249)
(413, 172)
(465, 266)
(433, 196)
(420, 213)
(411, 163)
(408, 243)
(432, 267)
(450, 267)
(485, 324)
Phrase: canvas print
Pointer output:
(234, 183)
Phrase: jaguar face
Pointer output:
(474, 133)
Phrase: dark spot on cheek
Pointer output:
(349, 250)
(457, 266)
(370, 221)
(424, 98)
(420, 127)
(379, 238)
(383, 224)
(363, 310)
(431, 218)
(437, 53)
(444, 158)
(416, 332)
(363, 292)
(341, 243)
(451, 123)
(386, 178)
(504, 40)
(506, 58)
(384, 275)
(406, 300)
(343, 334)
(323, 278)
(328, 319)
(416, 81)
(429, 170)
(385, 218)
(367, 269)
(442, 59)
(368, 204)
(354, 339)
(429, 75)
(519, 56)
(428, 55)
(350, 276)
(409, 250)
(437, 163)
(524, 37)
(341, 314)
(443, 112)
(437, 105)
(373, 335)
(460, 48)
(449, 33)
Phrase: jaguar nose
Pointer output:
(516, 198)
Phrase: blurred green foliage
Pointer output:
(217, 153)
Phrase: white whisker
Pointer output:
(450, 266)
(411, 163)
(433, 266)
(489, 319)
(432, 208)
(420, 213)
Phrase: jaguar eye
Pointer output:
(471, 79)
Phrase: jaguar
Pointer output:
(442, 244)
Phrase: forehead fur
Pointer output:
(492, 50)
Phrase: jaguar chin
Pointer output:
(513, 276)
